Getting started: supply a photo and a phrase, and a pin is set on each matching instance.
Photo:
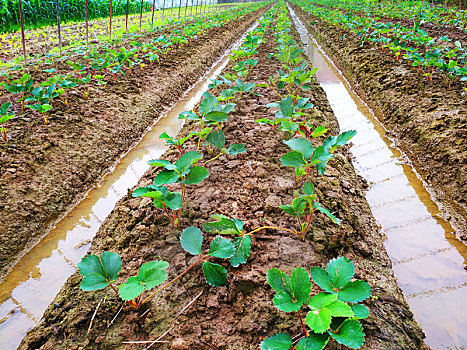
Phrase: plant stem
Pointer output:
(114, 288)
(273, 228)
(210, 160)
(305, 333)
(175, 279)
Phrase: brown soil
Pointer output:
(427, 118)
(45, 169)
(250, 187)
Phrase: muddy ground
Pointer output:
(428, 119)
(45, 169)
(250, 187)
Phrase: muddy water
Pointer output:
(428, 260)
(32, 284)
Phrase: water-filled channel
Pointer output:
(36, 279)
(428, 259)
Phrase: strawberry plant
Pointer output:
(184, 172)
(22, 85)
(333, 314)
(4, 117)
(303, 206)
(304, 155)
(100, 272)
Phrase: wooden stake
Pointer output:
(58, 25)
(87, 24)
(141, 15)
(153, 9)
(126, 19)
(110, 21)
(22, 29)
(163, 10)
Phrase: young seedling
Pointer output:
(22, 85)
(334, 313)
(303, 206)
(4, 117)
(182, 171)
(284, 123)
(304, 155)
(100, 272)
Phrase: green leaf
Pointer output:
(217, 117)
(221, 248)
(321, 278)
(319, 131)
(301, 145)
(131, 289)
(99, 272)
(320, 155)
(208, 103)
(281, 341)
(278, 280)
(224, 225)
(340, 309)
(319, 320)
(196, 175)
(314, 341)
(286, 107)
(215, 274)
(242, 250)
(284, 302)
(217, 138)
(293, 159)
(166, 177)
(350, 334)
(354, 291)
(360, 311)
(236, 148)
(308, 188)
(321, 300)
(173, 200)
(4, 108)
(191, 239)
(340, 271)
(343, 138)
(93, 281)
(163, 163)
(111, 263)
(152, 273)
(326, 212)
(186, 160)
(301, 285)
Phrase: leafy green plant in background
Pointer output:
(333, 314)
(5, 116)
(21, 86)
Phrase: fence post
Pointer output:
(22, 28)
(163, 10)
(110, 21)
(141, 15)
(58, 24)
(126, 19)
(87, 24)
(153, 9)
